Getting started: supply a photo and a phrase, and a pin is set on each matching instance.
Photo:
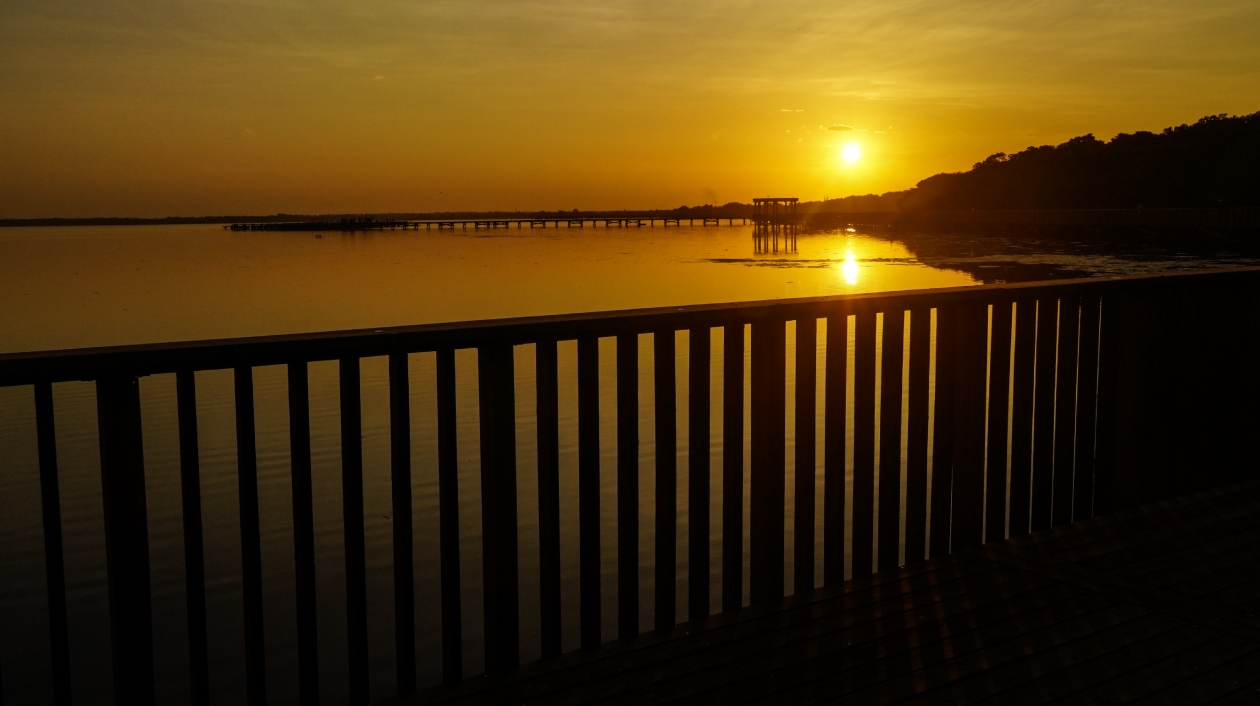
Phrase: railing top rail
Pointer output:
(149, 359)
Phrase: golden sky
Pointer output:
(192, 107)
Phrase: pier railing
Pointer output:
(1023, 407)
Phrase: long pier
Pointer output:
(487, 223)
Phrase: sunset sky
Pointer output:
(196, 107)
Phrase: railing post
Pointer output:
(834, 430)
(1083, 504)
(251, 537)
(698, 473)
(54, 562)
(999, 400)
(890, 438)
(803, 520)
(864, 366)
(126, 538)
(194, 544)
(1022, 415)
(917, 434)
(1042, 487)
(766, 488)
(448, 512)
(943, 432)
(496, 388)
(665, 397)
(732, 467)
(548, 414)
(590, 600)
(970, 352)
(627, 485)
(1065, 408)
(352, 514)
(303, 533)
(404, 572)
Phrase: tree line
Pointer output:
(1213, 163)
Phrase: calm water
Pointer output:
(103, 286)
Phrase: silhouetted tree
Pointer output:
(1214, 162)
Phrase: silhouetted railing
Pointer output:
(1023, 407)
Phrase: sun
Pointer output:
(851, 152)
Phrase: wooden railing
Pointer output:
(1024, 407)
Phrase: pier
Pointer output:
(1072, 517)
(775, 220)
(482, 223)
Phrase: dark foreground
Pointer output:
(1159, 604)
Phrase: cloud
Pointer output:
(839, 128)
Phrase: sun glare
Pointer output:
(851, 152)
(849, 268)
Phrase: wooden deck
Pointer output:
(1155, 605)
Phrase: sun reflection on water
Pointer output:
(849, 268)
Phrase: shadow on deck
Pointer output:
(1159, 604)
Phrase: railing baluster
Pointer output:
(768, 481)
(943, 432)
(194, 546)
(1065, 409)
(732, 467)
(969, 365)
(698, 473)
(1043, 412)
(352, 514)
(548, 402)
(917, 435)
(627, 485)
(803, 520)
(890, 440)
(54, 558)
(588, 492)
(1126, 381)
(448, 510)
(496, 386)
(126, 538)
(404, 566)
(1022, 415)
(666, 399)
(864, 443)
(834, 432)
(251, 537)
(1111, 338)
(303, 532)
(999, 407)
(1086, 410)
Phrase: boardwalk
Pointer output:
(1025, 408)
(1159, 604)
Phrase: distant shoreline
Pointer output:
(1095, 220)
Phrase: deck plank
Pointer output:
(1151, 605)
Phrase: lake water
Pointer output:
(79, 287)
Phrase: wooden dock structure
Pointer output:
(775, 220)
(352, 225)
(1158, 604)
(1074, 515)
